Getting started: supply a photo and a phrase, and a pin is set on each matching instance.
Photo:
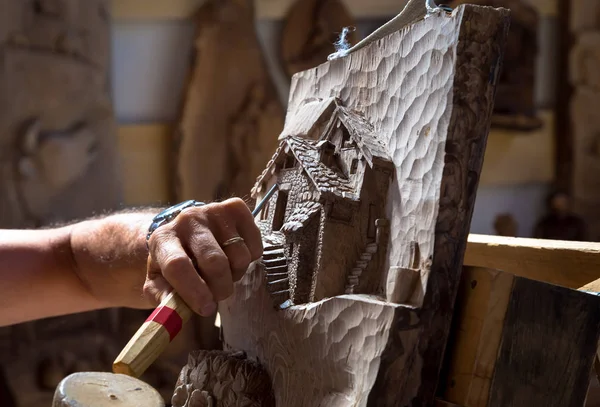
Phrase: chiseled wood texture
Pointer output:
(549, 342)
(310, 30)
(231, 115)
(222, 379)
(100, 389)
(58, 143)
(567, 264)
(428, 90)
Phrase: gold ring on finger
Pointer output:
(231, 241)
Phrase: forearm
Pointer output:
(38, 278)
(89, 265)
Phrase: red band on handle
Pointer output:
(169, 318)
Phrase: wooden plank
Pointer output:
(143, 151)
(549, 341)
(332, 343)
(479, 314)
(568, 264)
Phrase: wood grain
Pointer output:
(568, 264)
(549, 342)
(479, 316)
(428, 91)
(231, 115)
(150, 340)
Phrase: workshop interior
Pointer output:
(426, 178)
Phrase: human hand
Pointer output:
(187, 254)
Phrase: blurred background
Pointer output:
(106, 105)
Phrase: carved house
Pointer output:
(333, 174)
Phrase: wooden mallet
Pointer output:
(161, 327)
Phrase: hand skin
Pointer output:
(103, 263)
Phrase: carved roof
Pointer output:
(302, 213)
(362, 132)
(325, 179)
(307, 117)
(307, 151)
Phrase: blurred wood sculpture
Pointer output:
(232, 114)
(311, 29)
(505, 225)
(58, 147)
(560, 223)
(582, 139)
(377, 169)
(515, 100)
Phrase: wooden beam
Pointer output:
(568, 264)
(513, 338)
(480, 309)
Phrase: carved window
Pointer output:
(354, 166)
(341, 212)
(279, 216)
(290, 161)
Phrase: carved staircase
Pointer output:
(361, 264)
(276, 273)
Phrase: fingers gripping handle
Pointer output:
(153, 337)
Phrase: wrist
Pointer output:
(110, 257)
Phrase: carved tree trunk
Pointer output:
(58, 146)
(232, 115)
(421, 96)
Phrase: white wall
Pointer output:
(149, 72)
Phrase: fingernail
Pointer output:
(209, 309)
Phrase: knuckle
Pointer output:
(175, 264)
(215, 262)
(236, 207)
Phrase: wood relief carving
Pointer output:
(232, 114)
(220, 379)
(515, 100)
(58, 145)
(376, 171)
(311, 29)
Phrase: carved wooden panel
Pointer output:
(427, 91)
